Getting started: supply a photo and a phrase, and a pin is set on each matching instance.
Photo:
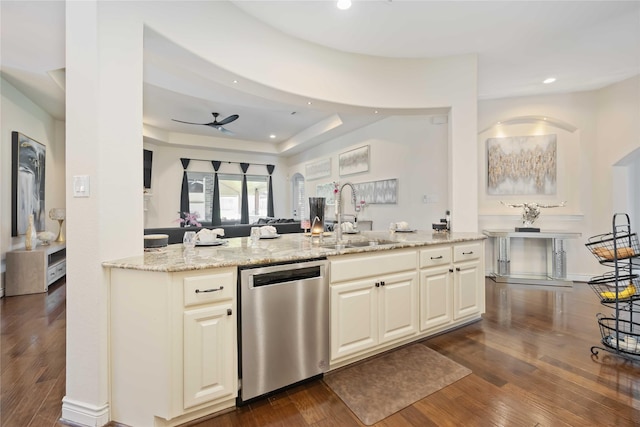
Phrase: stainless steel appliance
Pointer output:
(284, 325)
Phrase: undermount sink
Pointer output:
(356, 244)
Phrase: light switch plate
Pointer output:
(81, 186)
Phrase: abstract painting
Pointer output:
(27, 188)
(318, 169)
(354, 161)
(378, 192)
(522, 165)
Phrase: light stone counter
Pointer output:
(288, 247)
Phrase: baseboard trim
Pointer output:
(84, 414)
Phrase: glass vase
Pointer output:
(316, 215)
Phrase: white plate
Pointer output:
(270, 236)
(406, 230)
(212, 243)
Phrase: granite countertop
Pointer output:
(288, 247)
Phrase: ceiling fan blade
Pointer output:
(228, 119)
(190, 123)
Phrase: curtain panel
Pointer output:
(244, 212)
(270, 210)
(184, 193)
(215, 208)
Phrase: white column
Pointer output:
(103, 143)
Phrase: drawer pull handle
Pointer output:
(467, 253)
(437, 257)
(198, 291)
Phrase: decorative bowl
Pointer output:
(46, 237)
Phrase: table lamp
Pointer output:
(58, 214)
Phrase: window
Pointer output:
(230, 185)
(297, 183)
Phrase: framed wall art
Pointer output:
(28, 159)
(318, 169)
(522, 165)
(354, 161)
(326, 191)
(380, 192)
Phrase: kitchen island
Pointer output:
(174, 312)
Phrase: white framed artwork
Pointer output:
(354, 161)
(318, 169)
(522, 165)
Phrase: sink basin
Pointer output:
(357, 244)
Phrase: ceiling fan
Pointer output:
(215, 123)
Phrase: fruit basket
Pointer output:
(626, 285)
(620, 335)
(609, 247)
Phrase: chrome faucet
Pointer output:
(339, 208)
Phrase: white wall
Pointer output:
(409, 148)
(607, 131)
(166, 179)
(19, 113)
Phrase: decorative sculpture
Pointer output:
(530, 213)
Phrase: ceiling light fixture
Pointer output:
(235, 81)
(344, 4)
(549, 80)
(272, 136)
(309, 103)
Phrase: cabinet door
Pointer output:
(398, 306)
(468, 294)
(436, 295)
(354, 324)
(209, 354)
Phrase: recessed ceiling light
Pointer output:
(549, 80)
(375, 112)
(344, 4)
(272, 136)
(235, 81)
(309, 103)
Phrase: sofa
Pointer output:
(283, 226)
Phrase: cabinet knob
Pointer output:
(229, 312)
(382, 283)
(451, 270)
(377, 284)
(457, 268)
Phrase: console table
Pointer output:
(30, 272)
(556, 273)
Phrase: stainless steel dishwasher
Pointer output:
(284, 325)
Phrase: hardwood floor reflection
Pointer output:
(530, 358)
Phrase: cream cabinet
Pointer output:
(468, 282)
(173, 345)
(373, 301)
(451, 285)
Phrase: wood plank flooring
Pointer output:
(530, 357)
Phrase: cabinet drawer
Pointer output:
(466, 252)
(358, 266)
(435, 256)
(209, 288)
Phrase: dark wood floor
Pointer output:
(530, 358)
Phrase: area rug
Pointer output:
(379, 387)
